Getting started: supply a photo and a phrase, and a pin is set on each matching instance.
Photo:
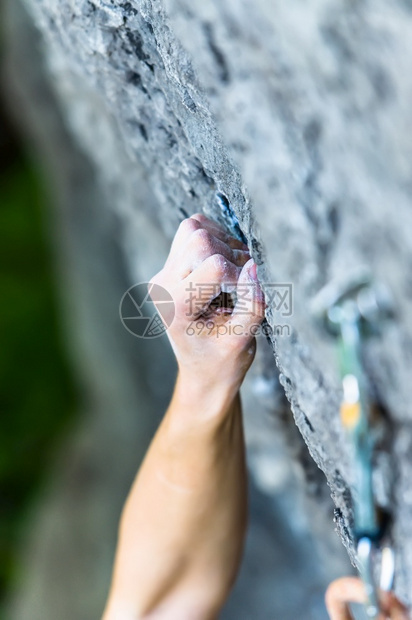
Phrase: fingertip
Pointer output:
(202, 219)
(250, 269)
(253, 271)
(198, 216)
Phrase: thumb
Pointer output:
(250, 300)
(340, 593)
(393, 607)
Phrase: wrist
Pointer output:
(117, 609)
(197, 432)
(203, 396)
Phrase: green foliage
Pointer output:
(36, 394)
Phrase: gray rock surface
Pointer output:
(297, 114)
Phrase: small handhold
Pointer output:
(230, 217)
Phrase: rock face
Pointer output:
(295, 117)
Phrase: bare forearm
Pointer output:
(183, 526)
(182, 529)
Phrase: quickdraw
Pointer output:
(352, 311)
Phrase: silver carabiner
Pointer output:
(367, 552)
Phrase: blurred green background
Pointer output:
(37, 397)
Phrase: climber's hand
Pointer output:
(351, 590)
(213, 342)
(183, 526)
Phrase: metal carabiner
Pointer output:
(367, 552)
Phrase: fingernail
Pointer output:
(253, 272)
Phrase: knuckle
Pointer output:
(240, 256)
(218, 264)
(189, 225)
(203, 237)
(200, 217)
